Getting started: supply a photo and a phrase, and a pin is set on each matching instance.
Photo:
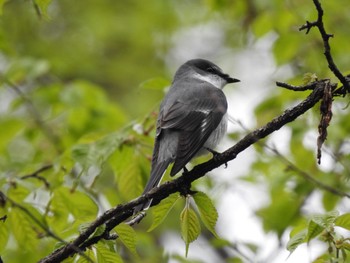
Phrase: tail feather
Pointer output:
(157, 174)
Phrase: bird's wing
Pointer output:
(195, 118)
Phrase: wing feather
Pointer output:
(195, 119)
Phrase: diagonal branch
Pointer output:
(307, 176)
(47, 130)
(120, 213)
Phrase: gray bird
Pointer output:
(192, 119)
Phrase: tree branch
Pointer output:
(307, 176)
(47, 131)
(327, 49)
(47, 230)
(310, 86)
(120, 213)
(39, 177)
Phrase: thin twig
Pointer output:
(307, 176)
(47, 131)
(310, 86)
(327, 48)
(44, 227)
(39, 177)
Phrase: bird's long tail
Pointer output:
(157, 174)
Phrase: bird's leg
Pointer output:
(137, 218)
(214, 153)
(185, 170)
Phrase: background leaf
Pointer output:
(296, 240)
(128, 236)
(343, 221)
(105, 255)
(161, 211)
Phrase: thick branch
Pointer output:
(120, 213)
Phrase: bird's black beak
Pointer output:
(230, 80)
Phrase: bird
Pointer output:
(192, 119)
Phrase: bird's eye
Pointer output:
(211, 70)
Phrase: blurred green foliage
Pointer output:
(80, 83)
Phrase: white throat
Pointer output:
(216, 81)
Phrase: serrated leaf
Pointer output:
(89, 254)
(97, 152)
(296, 240)
(207, 211)
(325, 220)
(190, 226)
(78, 204)
(309, 78)
(127, 236)
(314, 229)
(105, 255)
(343, 221)
(127, 166)
(22, 229)
(162, 210)
(129, 179)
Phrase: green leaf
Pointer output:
(129, 179)
(10, 127)
(286, 47)
(330, 201)
(89, 254)
(343, 221)
(127, 165)
(43, 6)
(296, 240)
(263, 24)
(155, 84)
(27, 69)
(98, 231)
(190, 226)
(97, 152)
(105, 255)
(162, 210)
(309, 78)
(22, 229)
(314, 229)
(127, 236)
(4, 234)
(326, 220)
(78, 204)
(207, 211)
(2, 2)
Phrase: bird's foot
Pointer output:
(185, 170)
(136, 218)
